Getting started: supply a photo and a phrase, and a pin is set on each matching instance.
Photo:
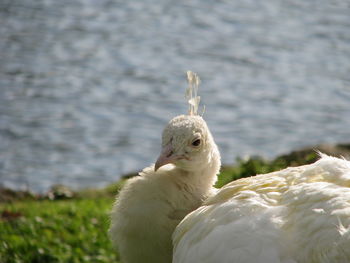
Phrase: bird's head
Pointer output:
(188, 144)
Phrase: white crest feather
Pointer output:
(191, 92)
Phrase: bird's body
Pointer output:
(297, 215)
(151, 205)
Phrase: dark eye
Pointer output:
(196, 142)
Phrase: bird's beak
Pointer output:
(166, 156)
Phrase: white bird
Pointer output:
(297, 215)
(151, 205)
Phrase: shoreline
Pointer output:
(300, 156)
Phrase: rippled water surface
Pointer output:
(87, 86)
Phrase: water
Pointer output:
(86, 86)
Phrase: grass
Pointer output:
(75, 230)
(56, 231)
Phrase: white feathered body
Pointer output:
(149, 208)
(297, 215)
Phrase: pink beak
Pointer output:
(165, 157)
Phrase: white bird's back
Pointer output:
(297, 215)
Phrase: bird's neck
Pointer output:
(204, 177)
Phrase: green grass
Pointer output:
(56, 231)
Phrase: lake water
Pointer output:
(87, 86)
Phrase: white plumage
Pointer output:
(150, 206)
(297, 215)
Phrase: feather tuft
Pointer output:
(191, 92)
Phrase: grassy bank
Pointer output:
(35, 229)
(56, 231)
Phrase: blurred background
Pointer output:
(87, 86)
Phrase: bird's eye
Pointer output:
(196, 142)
